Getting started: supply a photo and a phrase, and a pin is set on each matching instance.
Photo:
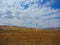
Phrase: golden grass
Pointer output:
(28, 36)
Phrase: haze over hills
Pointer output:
(25, 28)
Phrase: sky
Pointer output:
(30, 13)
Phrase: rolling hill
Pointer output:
(11, 35)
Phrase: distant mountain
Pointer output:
(17, 28)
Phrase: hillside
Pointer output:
(11, 35)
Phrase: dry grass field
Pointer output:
(28, 36)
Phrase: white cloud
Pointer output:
(27, 17)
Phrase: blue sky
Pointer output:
(30, 13)
(56, 5)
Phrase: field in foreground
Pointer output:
(28, 36)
